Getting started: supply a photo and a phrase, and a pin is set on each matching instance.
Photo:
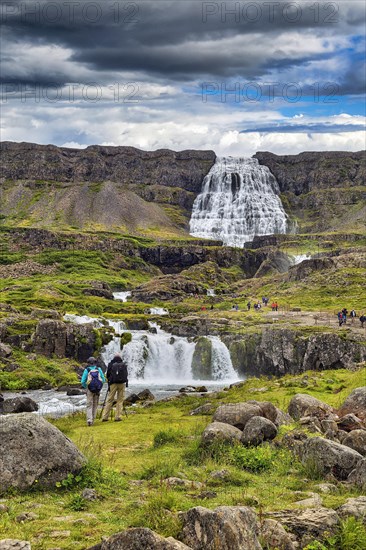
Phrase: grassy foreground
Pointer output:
(128, 462)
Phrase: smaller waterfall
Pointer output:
(222, 367)
(122, 296)
(239, 199)
(160, 358)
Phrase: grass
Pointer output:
(128, 462)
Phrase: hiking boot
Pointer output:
(90, 423)
(118, 420)
(104, 420)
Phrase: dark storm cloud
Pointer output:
(168, 39)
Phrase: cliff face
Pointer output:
(306, 172)
(125, 165)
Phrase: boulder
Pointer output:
(355, 507)
(139, 538)
(202, 359)
(274, 536)
(303, 404)
(179, 482)
(203, 409)
(257, 430)
(99, 292)
(146, 395)
(14, 544)
(356, 440)
(35, 453)
(75, 391)
(309, 524)
(226, 528)
(131, 399)
(237, 414)
(220, 431)
(356, 403)
(358, 475)
(329, 457)
(19, 405)
(349, 422)
(5, 350)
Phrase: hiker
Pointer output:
(362, 319)
(117, 377)
(353, 315)
(344, 313)
(276, 306)
(249, 305)
(273, 306)
(92, 380)
(340, 318)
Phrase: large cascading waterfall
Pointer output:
(239, 199)
(158, 357)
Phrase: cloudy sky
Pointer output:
(235, 77)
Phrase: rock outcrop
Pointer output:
(284, 351)
(64, 339)
(35, 453)
(139, 538)
(226, 527)
(325, 456)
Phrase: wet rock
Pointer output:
(219, 431)
(19, 405)
(75, 391)
(329, 457)
(202, 359)
(236, 414)
(139, 538)
(99, 292)
(356, 440)
(257, 430)
(35, 453)
(302, 404)
(226, 527)
(131, 399)
(274, 536)
(137, 324)
(146, 395)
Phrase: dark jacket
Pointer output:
(117, 371)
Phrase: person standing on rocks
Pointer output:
(117, 377)
(92, 380)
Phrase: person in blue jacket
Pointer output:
(92, 380)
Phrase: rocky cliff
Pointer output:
(309, 171)
(125, 165)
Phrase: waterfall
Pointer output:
(239, 199)
(159, 357)
(122, 296)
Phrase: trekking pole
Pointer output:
(105, 400)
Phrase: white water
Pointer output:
(297, 259)
(161, 358)
(122, 296)
(210, 292)
(158, 311)
(239, 199)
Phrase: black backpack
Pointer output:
(118, 373)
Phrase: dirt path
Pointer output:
(316, 319)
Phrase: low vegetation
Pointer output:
(129, 462)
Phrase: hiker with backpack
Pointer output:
(117, 377)
(92, 380)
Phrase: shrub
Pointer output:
(254, 459)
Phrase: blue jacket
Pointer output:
(84, 378)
